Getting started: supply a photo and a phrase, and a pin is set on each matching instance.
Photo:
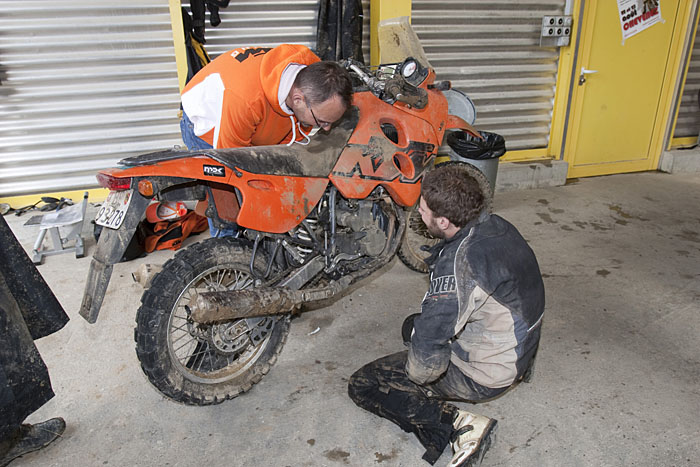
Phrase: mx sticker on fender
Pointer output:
(214, 170)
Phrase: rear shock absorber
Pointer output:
(303, 234)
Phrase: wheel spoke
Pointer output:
(209, 284)
(241, 277)
(212, 359)
(196, 354)
(188, 342)
(187, 296)
(181, 327)
(184, 334)
(201, 361)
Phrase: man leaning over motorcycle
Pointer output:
(258, 96)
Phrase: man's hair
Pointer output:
(322, 80)
(449, 191)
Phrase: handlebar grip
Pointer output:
(441, 86)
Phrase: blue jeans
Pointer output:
(193, 143)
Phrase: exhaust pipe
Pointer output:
(213, 307)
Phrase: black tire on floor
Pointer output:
(204, 364)
(417, 234)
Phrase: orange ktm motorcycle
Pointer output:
(311, 221)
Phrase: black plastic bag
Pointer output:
(466, 145)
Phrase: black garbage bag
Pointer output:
(466, 145)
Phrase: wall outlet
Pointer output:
(556, 31)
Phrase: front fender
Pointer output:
(457, 123)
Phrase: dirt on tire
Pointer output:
(225, 359)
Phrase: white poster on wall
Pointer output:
(638, 15)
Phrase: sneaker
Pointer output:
(34, 437)
(471, 438)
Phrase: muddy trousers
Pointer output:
(24, 380)
(383, 388)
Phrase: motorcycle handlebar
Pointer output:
(396, 87)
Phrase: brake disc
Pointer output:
(234, 337)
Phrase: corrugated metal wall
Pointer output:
(688, 122)
(84, 84)
(490, 50)
(269, 23)
(259, 22)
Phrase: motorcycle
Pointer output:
(312, 220)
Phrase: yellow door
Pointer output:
(621, 103)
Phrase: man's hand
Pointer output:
(407, 328)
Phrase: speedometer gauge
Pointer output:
(408, 68)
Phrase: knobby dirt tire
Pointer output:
(417, 234)
(227, 359)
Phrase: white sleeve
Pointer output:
(203, 105)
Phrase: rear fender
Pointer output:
(110, 249)
(113, 243)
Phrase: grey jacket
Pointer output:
(484, 308)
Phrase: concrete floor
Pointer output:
(616, 383)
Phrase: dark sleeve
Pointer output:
(430, 352)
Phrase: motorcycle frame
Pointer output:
(380, 144)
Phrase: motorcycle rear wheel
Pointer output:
(417, 235)
(204, 364)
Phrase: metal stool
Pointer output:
(70, 216)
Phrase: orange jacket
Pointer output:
(234, 101)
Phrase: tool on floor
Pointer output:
(68, 217)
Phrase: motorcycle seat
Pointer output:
(315, 159)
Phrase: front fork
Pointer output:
(110, 249)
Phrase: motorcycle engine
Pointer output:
(363, 228)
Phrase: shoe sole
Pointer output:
(489, 438)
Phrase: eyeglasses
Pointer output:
(318, 123)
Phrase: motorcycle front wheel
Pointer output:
(412, 249)
(415, 238)
(200, 364)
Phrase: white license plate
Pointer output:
(113, 210)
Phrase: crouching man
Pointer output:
(477, 332)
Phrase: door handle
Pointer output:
(582, 76)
